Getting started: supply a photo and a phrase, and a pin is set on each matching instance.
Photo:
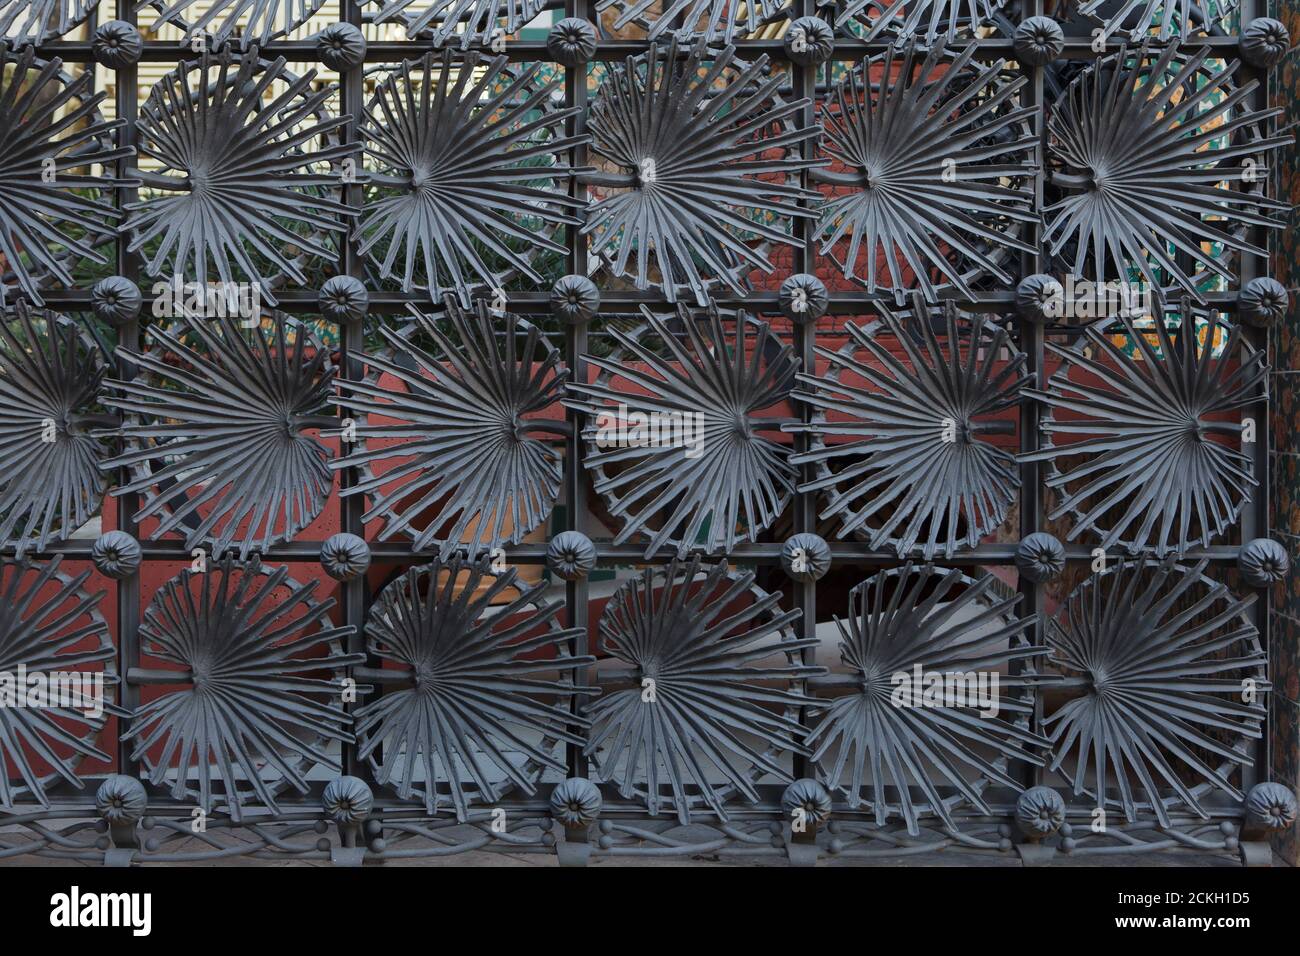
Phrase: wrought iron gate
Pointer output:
(851, 349)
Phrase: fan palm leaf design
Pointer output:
(931, 155)
(1168, 666)
(913, 469)
(32, 22)
(717, 21)
(717, 713)
(250, 21)
(49, 624)
(1161, 19)
(467, 173)
(468, 468)
(880, 742)
(486, 686)
(242, 191)
(716, 479)
(1150, 150)
(926, 20)
(250, 717)
(50, 213)
(217, 431)
(708, 166)
(469, 21)
(1140, 463)
(50, 481)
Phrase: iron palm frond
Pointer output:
(50, 213)
(1169, 666)
(716, 21)
(249, 718)
(249, 21)
(716, 480)
(451, 453)
(1147, 148)
(874, 740)
(48, 624)
(27, 23)
(708, 166)
(703, 711)
(217, 431)
(1160, 19)
(469, 21)
(242, 192)
(468, 172)
(912, 468)
(932, 153)
(486, 684)
(50, 480)
(1141, 465)
(922, 20)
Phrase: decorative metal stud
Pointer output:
(341, 46)
(1262, 301)
(116, 300)
(803, 298)
(1038, 41)
(344, 556)
(344, 299)
(116, 555)
(1263, 562)
(117, 44)
(571, 555)
(1272, 806)
(575, 299)
(572, 41)
(1265, 42)
(575, 803)
(1040, 557)
(809, 41)
(1040, 811)
(806, 557)
(1039, 298)
(347, 800)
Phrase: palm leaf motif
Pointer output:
(240, 192)
(1162, 658)
(1146, 147)
(469, 21)
(922, 20)
(486, 686)
(1142, 464)
(48, 623)
(708, 165)
(251, 715)
(451, 453)
(248, 21)
(717, 21)
(31, 22)
(883, 742)
(50, 481)
(1161, 19)
(466, 151)
(217, 431)
(931, 155)
(50, 213)
(673, 433)
(717, 715)
(912, 469)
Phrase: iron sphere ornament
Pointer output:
(1262, 301)
(1263, 561)
(1040, 557)
(571, 555)
(1038, 41)
(571, 42)
(575, 299)
(121, 799)
(347, 800)
(1271, 805)
(809, 798)
(803, 298)
(116, 300)
(117, 44)
(341, 46)
(809, 41)
(116, 555)
(1039, 298)
(575, 803)
(344, 299)
(345, 556)
(806, 557)
(1040, 811)
(1264, 42)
